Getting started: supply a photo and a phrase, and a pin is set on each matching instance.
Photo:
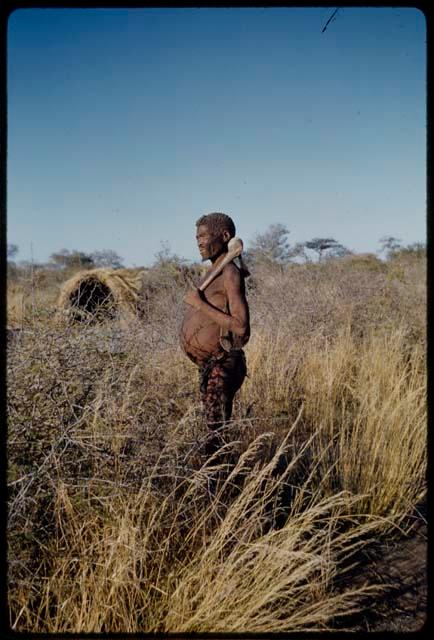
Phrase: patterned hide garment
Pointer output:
(220, 379)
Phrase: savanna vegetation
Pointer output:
(116, 521)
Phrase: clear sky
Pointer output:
(125, 125)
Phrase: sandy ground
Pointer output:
(403, 564)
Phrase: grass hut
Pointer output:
(101, 294)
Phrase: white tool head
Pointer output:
(235, 247)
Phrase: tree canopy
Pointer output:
(12, 250)
(270, 246)
(106, 258)
(389, 245)
(320, 245)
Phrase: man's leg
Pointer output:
(218, 408)
(224, 380)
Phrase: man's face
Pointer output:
(210, 244)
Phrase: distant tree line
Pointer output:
(272, 246)
(65, 259)
(391, 247)
(269, 247)
(104, 258)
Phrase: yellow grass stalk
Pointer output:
(189, 562)
(383, 450)
(366, 399)
(370, 400)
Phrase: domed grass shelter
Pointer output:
(101, 294)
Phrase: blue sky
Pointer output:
(124, 126)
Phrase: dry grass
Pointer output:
(367, 403)
(117, 523)
(192, 562)
(91, 291)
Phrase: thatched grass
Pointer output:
(117, 522)
(94, 293)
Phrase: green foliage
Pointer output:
(78, 259)
(416, 250)
(389, 245)
(334, 248)
(102, 258)
(107, 258)
(271, 246)
(12, 250)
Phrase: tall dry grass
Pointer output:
(118, 523)
(194, 561)
(366, 402)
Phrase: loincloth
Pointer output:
(230, 366)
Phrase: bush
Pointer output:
(116, 521)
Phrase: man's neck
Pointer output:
(216, 259)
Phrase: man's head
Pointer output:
(214, 230)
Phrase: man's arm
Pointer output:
(238, 307)
(237, 321)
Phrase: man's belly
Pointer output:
(200, 337)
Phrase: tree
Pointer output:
(319, 245)
(107, 258)
(414, 250)
(165, 257)
(338, 251)
(270, 246)
(77, 259)
(12, 250)
(298, 251)
(389, 245)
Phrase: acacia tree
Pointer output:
(270, 246)
(319, 245)
(389, 245)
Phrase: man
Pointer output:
(216, 327)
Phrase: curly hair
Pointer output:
(217, 223)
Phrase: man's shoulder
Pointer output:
(233, 277)
(231, 270)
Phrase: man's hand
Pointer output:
(194, 298)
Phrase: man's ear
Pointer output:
(226, 235)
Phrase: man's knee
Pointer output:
(218, 410)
